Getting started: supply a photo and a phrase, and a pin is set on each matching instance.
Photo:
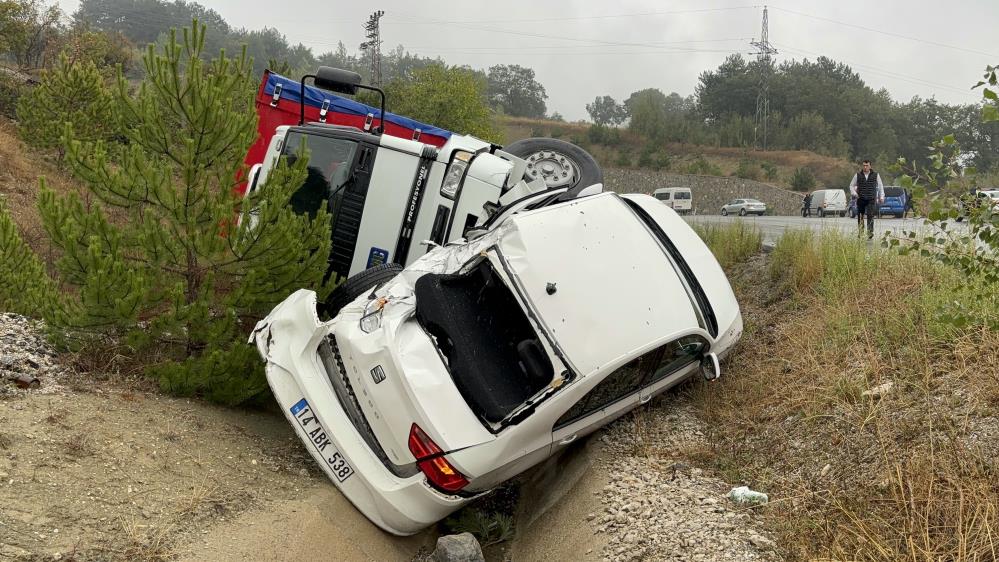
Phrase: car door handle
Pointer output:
(569, 439)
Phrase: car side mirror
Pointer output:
(710, 368)
(337, 80)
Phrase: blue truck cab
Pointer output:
(894, 202)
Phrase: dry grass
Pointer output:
(909, 474)
(19, 175)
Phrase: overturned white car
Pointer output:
(486, 356)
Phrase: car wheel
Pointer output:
(724, 212)
(742, 212)
(558, 163)
(356, 286)
(842, 214)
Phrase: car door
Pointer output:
(617, 393)
(674, 357)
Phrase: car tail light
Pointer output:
(440, 472)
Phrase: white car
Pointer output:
(744, 207)
(488, 355)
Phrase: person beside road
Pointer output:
(870, 191)
(806, 205)
(909, 206)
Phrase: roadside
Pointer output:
(113, 470)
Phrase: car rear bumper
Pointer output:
(288, 339)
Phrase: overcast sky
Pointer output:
(583, 49)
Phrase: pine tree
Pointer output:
(153, 255)
(74, 93)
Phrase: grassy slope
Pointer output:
(910, 473)
(19, 175)
(829, 172)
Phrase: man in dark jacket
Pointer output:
(867, 186)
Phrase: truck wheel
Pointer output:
(356, 286)
(558, 163)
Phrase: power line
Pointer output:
(889, 33)
(581, 18)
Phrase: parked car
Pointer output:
(744, 207)
(825, 202)
(677, 198)
(894, 203)
(440, 381)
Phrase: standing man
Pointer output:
(870, 192)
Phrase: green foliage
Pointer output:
(731, 244)
(448, 96)
(72, 94)
(655, 157)
(748, 169)
(802, 179)
(974, 250)
(605, 111)
(152, 255)
(513, 90)
(11, 89)
(24, 286)
(623, 159)
(701, 166)
(769, 170)
(599, 134)
(27, 30)
(488, 528)
(108, 51)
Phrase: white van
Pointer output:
(676, 198)
(827, 202)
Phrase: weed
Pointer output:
(488, 528)
(732, 243)
(78, 445)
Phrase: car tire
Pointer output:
(724, 212)
(561, 157)
(356, 286)
(742, 212)
(842, 214)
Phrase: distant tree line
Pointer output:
(822, 106)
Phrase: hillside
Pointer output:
(688, 159)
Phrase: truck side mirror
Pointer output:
(337, 80)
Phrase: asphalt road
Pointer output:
(774, 227)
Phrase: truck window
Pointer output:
(329, 168)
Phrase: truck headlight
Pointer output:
(372, 319)
(455, 172)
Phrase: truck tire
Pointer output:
(356, 286)
(559, 163)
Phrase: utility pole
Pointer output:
(373, 46)
(764, 59)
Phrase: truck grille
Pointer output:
(329, 354)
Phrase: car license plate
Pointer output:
(318, 436)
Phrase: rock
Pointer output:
(458, 548)
(879, 390)
(825, 470)
(744, 495)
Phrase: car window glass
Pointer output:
(622, 382)
(677, 355)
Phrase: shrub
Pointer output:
(71, 93)
(802, 179)
(151, 258)
(623, 159)
(748, 170)
(700, 166)
(769, 170)
(10, 91)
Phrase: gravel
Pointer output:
(24, 352)
(658, 507)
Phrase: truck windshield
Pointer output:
(330, 162)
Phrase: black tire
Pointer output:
(356, 286)
(724, 212)
(842, 214)
(742, 212)
(586, 171)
